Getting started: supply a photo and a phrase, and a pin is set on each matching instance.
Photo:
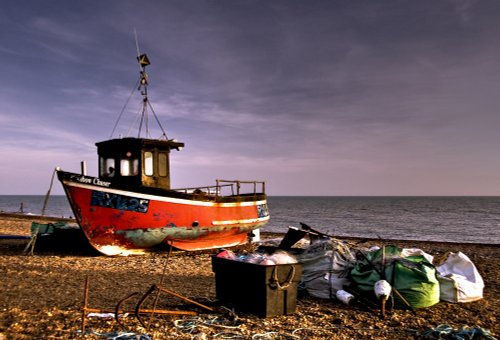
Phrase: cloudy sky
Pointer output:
(315, 97)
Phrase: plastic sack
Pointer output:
(325, 266)
(459, 279)
(414, 277)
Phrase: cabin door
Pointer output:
(156, 169)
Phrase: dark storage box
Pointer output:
(257, 289)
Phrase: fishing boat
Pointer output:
(130, 206)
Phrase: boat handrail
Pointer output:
(238, 185)
(217, 189)
(209, 189)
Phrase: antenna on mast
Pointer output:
(143, 84)
(143, 88)
(137, 43)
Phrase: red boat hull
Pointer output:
(120, 222)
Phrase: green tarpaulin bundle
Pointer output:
(413, 277)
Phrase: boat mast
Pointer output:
(143, 88)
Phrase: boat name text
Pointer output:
(114, 201)
(92, 180)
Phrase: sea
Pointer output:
(449, 219)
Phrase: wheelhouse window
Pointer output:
(107, 167)
(162, 164)
(129, 167)
(148, 163)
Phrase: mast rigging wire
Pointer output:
(123, 109)
(141, 86)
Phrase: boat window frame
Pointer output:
(129, 165)
(163, 164)
(149, 163)
(107, 166)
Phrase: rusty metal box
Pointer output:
(257, 289)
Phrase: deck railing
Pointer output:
(235, 188)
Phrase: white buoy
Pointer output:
(382, 290)
(344, 296)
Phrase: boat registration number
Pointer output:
(115, 201)
(262, 210)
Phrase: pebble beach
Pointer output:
(42, 296)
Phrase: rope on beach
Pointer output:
(190, 325)
(446, 332)
(119, 335)
(229, 335)
(356, 329)
(274, 335)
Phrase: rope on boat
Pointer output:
(47, 195)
